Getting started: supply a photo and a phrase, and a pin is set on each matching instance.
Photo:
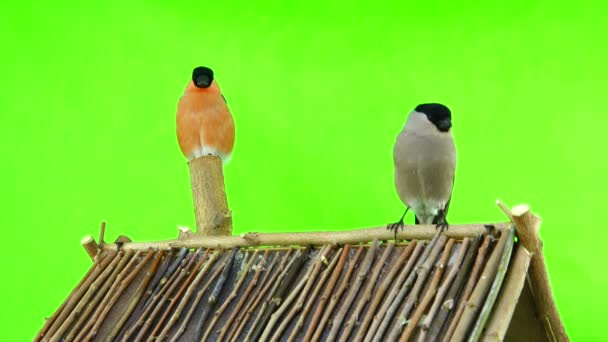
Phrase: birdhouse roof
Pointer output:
(468, 281)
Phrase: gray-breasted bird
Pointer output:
(425, 161)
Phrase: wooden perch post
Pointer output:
(213, 218)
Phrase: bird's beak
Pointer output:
(203, 81)
(445, 125)
(202, 77)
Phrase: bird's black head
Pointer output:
(202, 77)
(438, 114)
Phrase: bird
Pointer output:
(204, 122)
(425, 163)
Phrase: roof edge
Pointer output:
(354, 236)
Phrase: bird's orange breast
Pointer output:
(204, 123)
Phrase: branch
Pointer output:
(267, 281)
(122, 270)
(277, 296)
(473, 277)
(102, 233)
(488, 305)
(215, 294)
(481, 289)
(152, 310)
(379, 295)
(218, 313)
(429, 294)
(136, 299)
(527, 225)
(61, 311)
(400, 289)
(90, 246)
(505, 306)
(123, 286)
(443, 289)
(187, 289)
(355, 236)
(422, 273)
(335, 298)
(158, 280)
(246, 296)
(169, 296)
(301, 292)
(323, 301)
(354, 291)
(90, 292)
(455, 289)
(159, 289)
(199, 294)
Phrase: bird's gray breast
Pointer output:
(424, 170)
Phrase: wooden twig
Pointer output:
(335, 298)
(278, 294)
(488, 303)
(122, 270)
(136, 299)
(468, 289)
(102, 233)
(286, 304)
(254, 281)
(210, 204)
(425, 324)
(422, 273)
(215, 294)
(439, 322)
(159, 290)
(323, 301)
(355, 288)
(381, 290)
(247, 297)
(271, 288)
(149, 314)
(186, 291)
(399, 291)
(90, 292)
(355, 236)
(300, 291)
(175, 281)
(307, 300)
(50, 321)
(505, 306)
(481, 289)
(429, 294)
(121, 288)
(90, 246)
(148, 295)
(269, 280)
(218, 313)
(527, 225)
(199, 295)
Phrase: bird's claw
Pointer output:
(442, 225)
(395, 227)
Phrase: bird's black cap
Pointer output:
(438, 114)
(202, 77)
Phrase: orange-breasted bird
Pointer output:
(204, 123)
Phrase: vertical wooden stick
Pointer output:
(213, 218)
(527, 225)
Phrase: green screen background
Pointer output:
(318, 91)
